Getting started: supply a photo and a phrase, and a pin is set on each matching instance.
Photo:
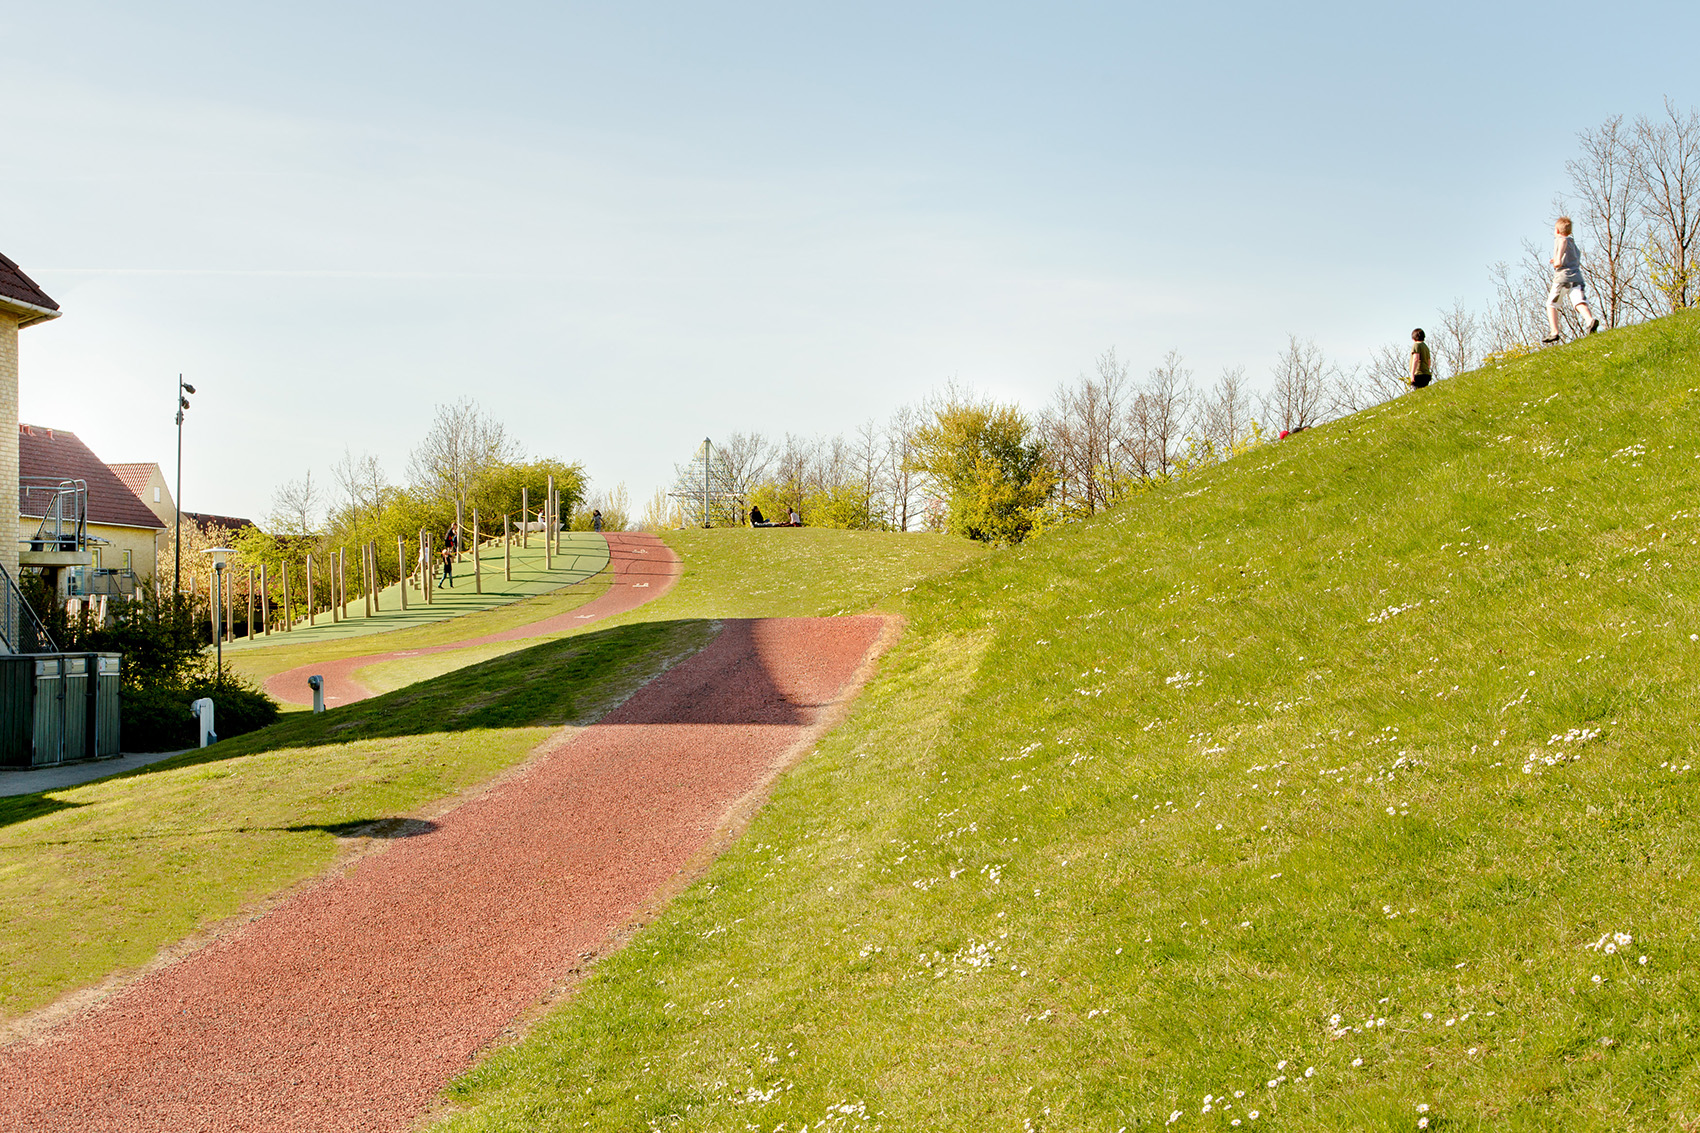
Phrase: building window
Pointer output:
(126, 562)
(96, 552)
(156, 493)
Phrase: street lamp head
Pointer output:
(183, 401)
(219, 554)
(188, 387)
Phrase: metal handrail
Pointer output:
(19, 625)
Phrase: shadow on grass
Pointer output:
(565, 681)
(22, 808)
(355, 828)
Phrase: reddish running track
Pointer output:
(350, 1005)
(643, 567)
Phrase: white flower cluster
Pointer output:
(1565, 752)
(1610, 943)
(1391, 612)
(1182, 680)
(964, 961)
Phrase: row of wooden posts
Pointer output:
(371, 584)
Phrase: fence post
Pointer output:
(548, 527)
(426, 562)
(288, 603)
(401, 571)
(250, 603)
(525, 517)
(477, 558)
(311, 613)
(265, 602)
(507, 552)
(460, 533)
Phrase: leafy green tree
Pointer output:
(990, 464)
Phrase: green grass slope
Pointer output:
(1353, 777)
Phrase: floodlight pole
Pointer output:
(707, 455)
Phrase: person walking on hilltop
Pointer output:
(1566, 264)
(596, 519)
(1422, 361)
(451, 541)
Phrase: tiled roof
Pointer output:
(135, 476)
(54, 454)
(20, 288)
(206, 521)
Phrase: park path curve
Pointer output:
(643, 568)
(351, 1004)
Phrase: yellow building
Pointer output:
(78, 520)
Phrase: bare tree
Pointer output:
(904, 483)
(1157, 420)
(1386, 375)
(1609, 194)
(1456, 345)
(1304, 379)
(295, 504)
(1224, 415)
(1517, 318)
(1668, 172)
(461, 446)
(362, 481)
(1080, 430)
(744, 458)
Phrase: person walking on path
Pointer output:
(596, 519)
(1422, 361)
(451, 541)
(1566, 264)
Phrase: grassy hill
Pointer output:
(1350, 778)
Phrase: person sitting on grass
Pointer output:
(756, 517)
(1566, 264)
(1421, 360)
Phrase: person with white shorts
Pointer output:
(1566, 264)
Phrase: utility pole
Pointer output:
(707, 456)
(177, 504)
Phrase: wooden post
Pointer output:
(342, 579)
(507, 552)
(548, 526)
(426, 562)
(460, 533)
(401, 571)
(332, 581)
(213, 611)
(365, 580)
(265, 602)
(311, 619)
(230, 607)
(477, 559)
(524, 517)
(250, 603)
(377, 576)
(288, 604)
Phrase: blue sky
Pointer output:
(621, 228)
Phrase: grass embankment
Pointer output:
(97, 878)
(456, 615)
(1303, 794)
(737, 573)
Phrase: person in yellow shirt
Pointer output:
(1422, 362)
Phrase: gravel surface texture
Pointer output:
(351, 1004)
(644, 568)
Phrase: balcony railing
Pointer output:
(64, 508)
(19, 626)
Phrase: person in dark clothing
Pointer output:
(451, 542)
(1422, 361)
(756, 517)
(596, 519)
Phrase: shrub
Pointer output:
(157, 718)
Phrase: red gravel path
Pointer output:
(350, 1005)
(644, 568)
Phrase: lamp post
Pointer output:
(177, 504)
(219, 554)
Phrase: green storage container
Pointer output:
(17, 709)
(103, 704)
(49, 710)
